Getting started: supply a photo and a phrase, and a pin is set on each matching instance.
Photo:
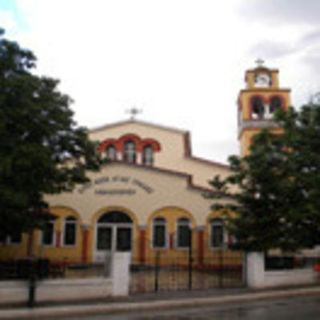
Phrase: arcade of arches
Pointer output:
(169, 229)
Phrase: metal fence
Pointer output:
(162, 272)
(46, 269)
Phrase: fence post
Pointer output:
(255, 269)
(190, 261)
(220, 268)
(156, 271)
(32, 284)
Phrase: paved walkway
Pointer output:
(156, 302)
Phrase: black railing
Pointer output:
(185, 271)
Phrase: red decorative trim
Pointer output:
(106, 143)
(130, 136)
(140, 143)
(58, 239)
(85, 245)
(142, 247)
(155, 144)
(171, 241)
(200, 246)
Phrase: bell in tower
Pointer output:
(258, 102)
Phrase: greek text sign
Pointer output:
(116, 185)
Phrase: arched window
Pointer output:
(115, 217)
(148, 155)
(275, 104)
(114, 232)
(70, 231)
(111, 153)
(159, 237)
(129, 151)
(183, 233)
(217, 233)
(257, 108)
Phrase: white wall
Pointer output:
(257, 277)
(61, 290)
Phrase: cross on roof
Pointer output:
(134, 111)
(259, 62)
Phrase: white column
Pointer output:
(139, 158)
(120, 273)
(255, 270)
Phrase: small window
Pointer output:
(15, 238)
(129, 152)
(148, 155)
(47, 234)
(257, 108)
(70, 231)
(111, 153)
(217, 233)
(159, 233)
(183, 233)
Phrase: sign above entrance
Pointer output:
(130, 182)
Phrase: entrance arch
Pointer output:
(114, 231)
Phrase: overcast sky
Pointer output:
(181, 61)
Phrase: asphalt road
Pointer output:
(299, 308)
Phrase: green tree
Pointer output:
(275, 190)
(42, 150)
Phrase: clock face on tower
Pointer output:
(262, 80)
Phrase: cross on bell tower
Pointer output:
(259, 62)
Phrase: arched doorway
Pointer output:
(114, 232)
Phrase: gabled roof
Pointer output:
(132, 121)
(184, 133)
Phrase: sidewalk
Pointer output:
(156, 301)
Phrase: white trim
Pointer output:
(97, 254)
(176, 233)
(63, 232)
(224, 235)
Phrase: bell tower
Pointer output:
(258, 102)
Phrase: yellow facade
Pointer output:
(171, 188)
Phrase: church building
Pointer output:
(150, 196)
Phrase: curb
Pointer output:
(109, 308)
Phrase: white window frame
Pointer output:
(155, 223)
(114, 227)
(114, 150)
(128, 153)
(53, 244)
(218, 222)
(184, 223)
(65, 222)
(148, 158)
